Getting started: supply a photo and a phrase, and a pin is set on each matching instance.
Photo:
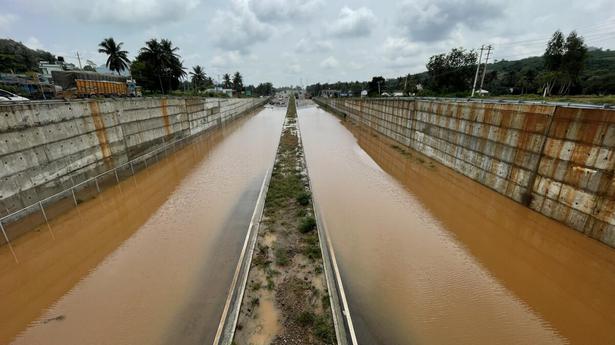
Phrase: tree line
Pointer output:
(158, 66)
(567, 66)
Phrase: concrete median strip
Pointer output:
(286, 288)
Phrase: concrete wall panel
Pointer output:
(45, 146)
(557, 160)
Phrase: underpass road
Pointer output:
(428, 256)
(149, 261)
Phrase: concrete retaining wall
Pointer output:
(557, 160)
(45, 147)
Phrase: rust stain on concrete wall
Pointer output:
(101, 133)
(557, 160)
(164, 104)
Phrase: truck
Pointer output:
(81, 84)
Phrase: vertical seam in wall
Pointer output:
(101, 133)
(530, 186)
(165, 115)
(412, 109)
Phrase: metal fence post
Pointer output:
(4, 233)
(116, 177)
(40, 203)
(96, 182)
(8, 242)
(72, 190)
(132, 169)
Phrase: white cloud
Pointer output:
(127, 12)
(284, 10)
(399, 52)
(239, 28)
(354, 23)
(435, 20)
(329, 63)
(6, 21)
(226, 59)
(294, 68)
(308, 45)
(33, 43)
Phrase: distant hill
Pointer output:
(598, 75)
(598, 61)
(17, 58)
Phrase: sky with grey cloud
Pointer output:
(291, 42)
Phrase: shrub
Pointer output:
(307, 224)
(304, 198)
(281, 257)
(306, 319)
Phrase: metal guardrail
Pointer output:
(70, 192)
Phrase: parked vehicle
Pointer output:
(6, 96)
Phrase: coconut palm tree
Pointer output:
(237, 82)
(163, 60)
(198, 76)
(227, 81)
(117, 59)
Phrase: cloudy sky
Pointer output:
(293, 42)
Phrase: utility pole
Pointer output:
(485, 69)
(477, 68)
(79, 59)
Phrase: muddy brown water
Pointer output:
(428, 256)
(149, 261)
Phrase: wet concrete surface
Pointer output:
(428, 256)
(149, 261)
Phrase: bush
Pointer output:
(306, 319)
(307, 224)
(304, 198)
(324, 330)
(281, 257)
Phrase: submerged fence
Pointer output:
(42, 211)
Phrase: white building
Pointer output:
(47, 67)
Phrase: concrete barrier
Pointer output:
(557, 160)
(46, 147)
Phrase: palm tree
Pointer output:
(237, 82)
(163, 59)
(198, 76)
(118, 58)
(227, 81)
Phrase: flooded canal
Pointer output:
(428, 256)
(149, 261)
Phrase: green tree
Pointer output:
(117, 59)
(553, 56)
(237, 82)
(573, 61)
(17, 58)
(376, 86)
(198, 77)
(452, 72)
(264, 89)
(563, 61)
(158, 63)
(227, 81)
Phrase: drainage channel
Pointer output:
(287, 287)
